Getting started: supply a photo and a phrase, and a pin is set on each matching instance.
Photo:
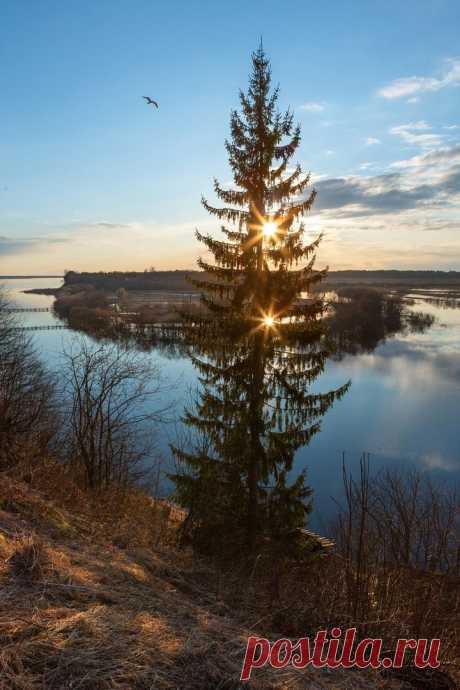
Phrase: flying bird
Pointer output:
(150, 101)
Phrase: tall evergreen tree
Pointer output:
(258, 343)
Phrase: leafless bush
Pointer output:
(112, 398)
(27, 404)
(398, 538)
(394, 572)
(399, 519)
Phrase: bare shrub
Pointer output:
(112, 397)
(28, 414)
(394, 571)
(398, 538)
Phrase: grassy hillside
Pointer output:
(97, 603)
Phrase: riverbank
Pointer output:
(112, 604)
(390, 595)
(144, 287)
(53, 292)
(178, 280)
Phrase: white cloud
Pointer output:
(315, 177)
(371, 141)
(415, 134)
(425, 187)
(407, 86)
(414, 99)
(329, 152)
(420, 124)
(313, 107)
(450, 127)
(441, 157)
(436, 461)
(431, 168)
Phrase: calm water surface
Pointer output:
(403, 406)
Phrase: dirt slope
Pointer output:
(78, 611)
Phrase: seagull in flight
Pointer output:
(150, 101)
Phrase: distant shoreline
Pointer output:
(396, 272)
(177, 281)
(27, 277)
(42, 291)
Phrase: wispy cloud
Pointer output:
(371, 141)
(436, 461)
(447, 155)
(407, 86)
(107, 225)
(430, 181)
(20, 245)
(313, 107)
(415, 133)
(103, 245)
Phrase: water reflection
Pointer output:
(361, 318)
(402, 406)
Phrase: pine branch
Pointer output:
(231, 196)
(230, 214)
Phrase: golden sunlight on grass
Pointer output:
(83, 608)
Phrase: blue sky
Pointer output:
(90, 177)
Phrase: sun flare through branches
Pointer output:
(269, 228)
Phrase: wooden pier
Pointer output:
(26, 310)
(41, 328)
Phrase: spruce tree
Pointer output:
(258, 343)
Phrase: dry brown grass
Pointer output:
(91, 605)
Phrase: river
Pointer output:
(402, 408)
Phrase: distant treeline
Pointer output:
(132, 280)
(385, 278)
(177, 280)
